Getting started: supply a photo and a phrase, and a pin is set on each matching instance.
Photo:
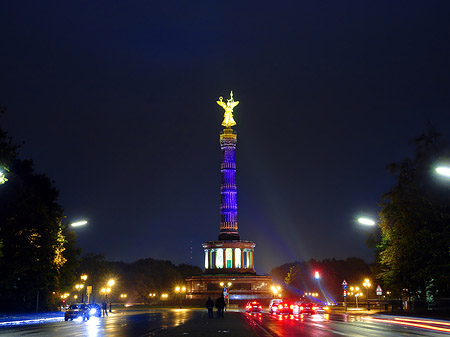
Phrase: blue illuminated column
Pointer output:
(228, 202)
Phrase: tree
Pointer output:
(69, 274)
(413, 252)
(34, 246)
(31, 232)
(8, 152)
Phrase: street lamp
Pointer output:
(179, 290)
(83, 278)
(276, 290)
(356, 298)
(367, 285)
(110, 284)
(79, 288)
(443, 171)
(366, 221)
(78, 223)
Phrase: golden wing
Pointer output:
(222, 104)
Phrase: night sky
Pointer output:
(116, 102)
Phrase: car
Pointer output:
(272, 302)
(283, 307)
(303, 308)
(253, 306)
(309, 308)
(320, 309)
(95, 310)
(78, 310)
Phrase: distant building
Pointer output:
(229, 261)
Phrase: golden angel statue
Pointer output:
(228, 119)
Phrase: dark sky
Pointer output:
(115, 101)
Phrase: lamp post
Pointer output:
(110, 284)
(367, 285)
(180, 291)
(79, 288)
(228, 295)
(83, 278)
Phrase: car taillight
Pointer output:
(260, 307)
(326, 308)
(292, 306)
(301, 308)
(280, 306)
(314, 308)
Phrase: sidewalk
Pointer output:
(31, 318)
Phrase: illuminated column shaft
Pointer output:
(228, 191)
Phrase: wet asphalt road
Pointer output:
(194, 322)
(337, 325)
(126, 323)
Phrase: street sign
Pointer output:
(344, 285)
(379, 291)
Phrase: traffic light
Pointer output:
(317, 275)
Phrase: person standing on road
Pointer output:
(104, 310)
(220, 305)
(210, 306)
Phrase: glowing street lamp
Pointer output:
(276, 290)
(443, 171)
(111, 283)
(367, 285)
(78, 223)
(179, 290)
(366, 221)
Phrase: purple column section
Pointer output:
(228, 201)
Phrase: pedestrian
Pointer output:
(210, 306)
(104, 310)
(220, 305)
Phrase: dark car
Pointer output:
(253, 306)
(282, 308)
(303, 308)
(95, 310)
(76, 311)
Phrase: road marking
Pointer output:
(256, 323)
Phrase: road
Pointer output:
(345, 325)
(194, 322)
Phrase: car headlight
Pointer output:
(93, 311)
